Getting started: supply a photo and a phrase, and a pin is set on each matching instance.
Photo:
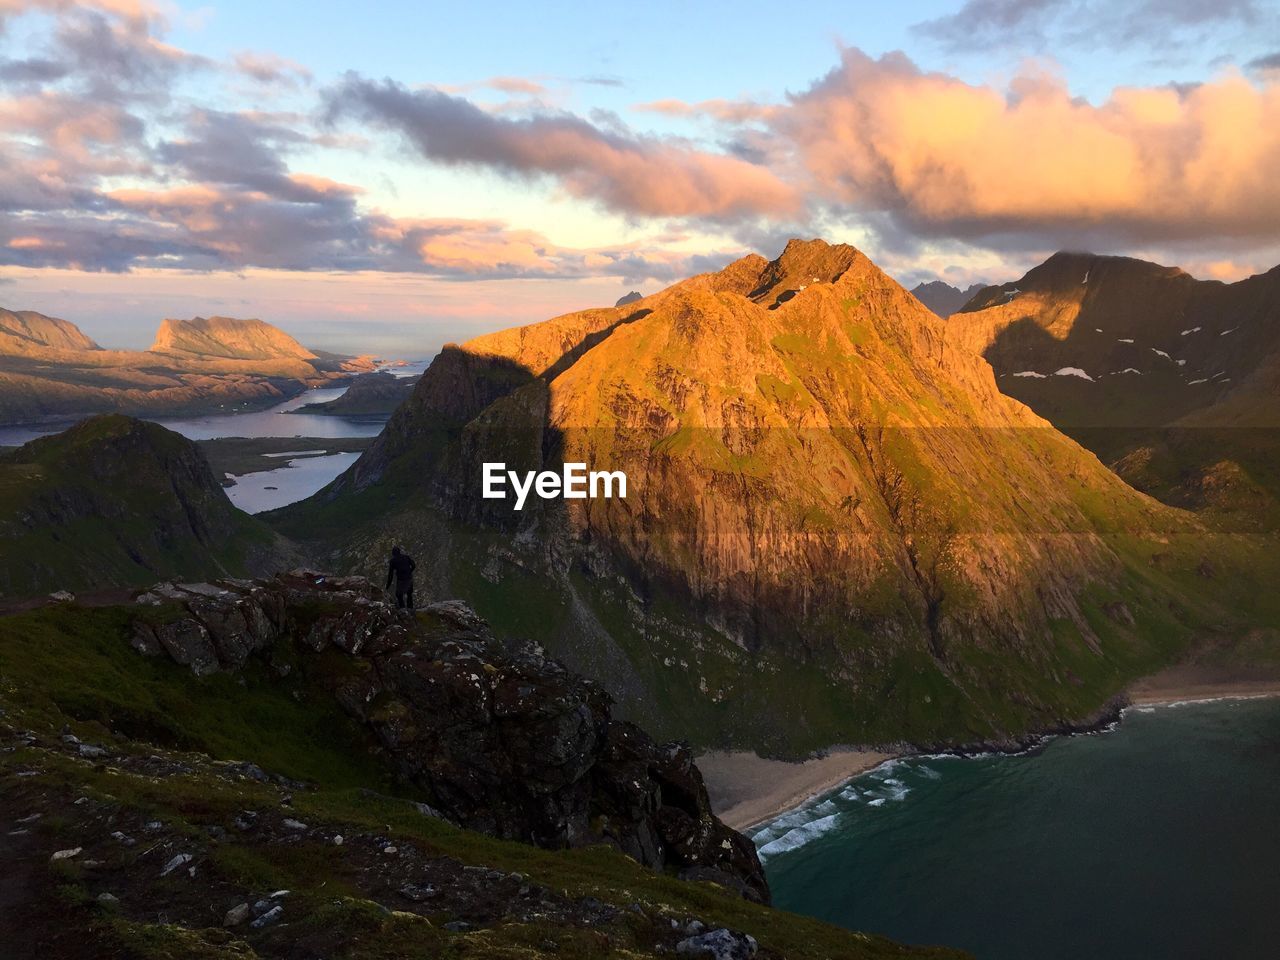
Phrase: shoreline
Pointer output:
(747, 790)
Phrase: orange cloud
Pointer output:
(27, 243)
(950, 157)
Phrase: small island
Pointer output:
(370, 395)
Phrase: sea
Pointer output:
(1156, 840)
(296, 478)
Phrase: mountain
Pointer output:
(837, 528)
(287, 768)
(228, 337)
(1171, 379)
(942, 298)
(51, 372)
(28, 333)
(369, 395)
(628, 298)
(118, 502)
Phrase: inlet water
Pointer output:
(1159, 840)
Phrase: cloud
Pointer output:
(520, 85)
(725, 111)
(104, 167)
(934, 156)
(315, 226)
(270, 69)
(623, 172)
(1031, 24)
(102, 170)
(1265, 64)
(34, 70)
(602, 80)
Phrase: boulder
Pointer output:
(720, 944)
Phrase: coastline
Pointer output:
(747, 790)
(1190, 682)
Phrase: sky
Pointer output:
(391, 177)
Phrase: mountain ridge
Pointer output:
(1173, 380)
(943, 298)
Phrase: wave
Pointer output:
(796, 837)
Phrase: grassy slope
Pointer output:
(127, 524)
(691, 683)
(69, 665)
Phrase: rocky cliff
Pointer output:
(115, 502)
(837, 529)
(500, 739)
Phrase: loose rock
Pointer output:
(721, 944)
(179, 860)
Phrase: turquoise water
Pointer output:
(1157, 841)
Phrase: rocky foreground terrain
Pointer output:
(290, 768)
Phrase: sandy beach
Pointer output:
(1199, 681)
(1204, 691)
(746, 789)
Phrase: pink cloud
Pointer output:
(949, 157)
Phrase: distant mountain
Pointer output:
(27, 333)
(942, 298)
(369, 395)
(631, 297)
(51, 372)
(117, 502)
(837, 529)
(1174, 380)
(228, 337)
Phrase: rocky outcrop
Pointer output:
(498, 737)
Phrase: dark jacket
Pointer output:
(400, 569)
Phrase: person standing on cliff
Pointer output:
(400, 569)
